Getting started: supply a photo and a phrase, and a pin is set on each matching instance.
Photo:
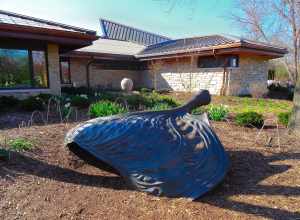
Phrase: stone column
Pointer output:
(53, 69)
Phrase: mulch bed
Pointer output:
(263, 182)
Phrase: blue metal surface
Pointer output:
(166, 153)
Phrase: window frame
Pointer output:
(229, 57)
(69, 70)
(30, 64)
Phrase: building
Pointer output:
(224, 65)
(30, 51)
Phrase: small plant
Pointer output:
(32, 104)
(105, 108)
(161, 107)
(44, 97)
(217, 113)
(80, 101)
(20, 144)
(249, 119)
(284, 118)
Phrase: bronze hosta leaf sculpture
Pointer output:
(166, 153)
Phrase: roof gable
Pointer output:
(116, 31)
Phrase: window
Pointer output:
(218, 61)
(65, 74)
(119, 65)
(23, 68)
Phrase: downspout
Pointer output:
(91, 61)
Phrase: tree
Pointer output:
(276, 21)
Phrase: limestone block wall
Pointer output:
(250, 78)
(100, 77)
(78, 71)
(184, 75)
(53, 69)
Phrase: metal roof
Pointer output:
(116, 31)
(203, 43)
(107, 46)
(11, 18)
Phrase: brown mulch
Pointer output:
(263, 182)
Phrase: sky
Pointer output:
(187, 18)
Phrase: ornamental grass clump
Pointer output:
(105, 108)
(217, 112)
(249, 119)
(284, 118)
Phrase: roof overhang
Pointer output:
(99, 56)
(234, 48)
(67, 40)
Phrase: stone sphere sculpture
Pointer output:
(165, 153)
(127, 84)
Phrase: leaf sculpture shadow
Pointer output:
(244, 179)
(21, 164)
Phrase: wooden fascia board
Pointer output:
(47, 32)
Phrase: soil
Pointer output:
(47, 183)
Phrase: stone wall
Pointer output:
(110, 79)
(53, 69)
(250, 78)
(182, 74)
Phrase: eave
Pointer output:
(101, 56)
(68, 40)
(235, 48)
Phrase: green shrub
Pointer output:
(32, 104)
(284, 118)
(154, 98)
(161, 107)
(145, 90)
(78, 90)
(249, 118)
(199, 110)
(80, 101)
(135, 101)
(8, 102)
(44, 97)
(105, 108)
(217, 112)
(20, 144)
(108, 96)
(4, 155)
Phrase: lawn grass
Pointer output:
(244, 104)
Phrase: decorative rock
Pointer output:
(126, 84)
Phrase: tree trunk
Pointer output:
(295, 119)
